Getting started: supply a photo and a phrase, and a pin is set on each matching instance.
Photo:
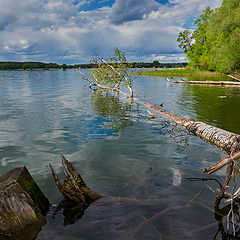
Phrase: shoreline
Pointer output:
(179, 72)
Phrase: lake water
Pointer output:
(118, 151)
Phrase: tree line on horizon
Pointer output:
(45, 66)
(28, 65)
(215, 43)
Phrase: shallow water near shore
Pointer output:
(118, 151)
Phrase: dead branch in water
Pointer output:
(204, 180)
(234, 77)
(74, 188)
(227, 141)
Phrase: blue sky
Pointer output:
(94, 4)
(71, 31)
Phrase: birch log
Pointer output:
(228, 141)
(220, 83)
(234, 77)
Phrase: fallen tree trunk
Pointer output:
(220, 83)
(129, 85)
(22, 205)
(228, 141)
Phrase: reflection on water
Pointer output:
(220, 216)
(113, 109)
(71, 211)
(218, 106)
(118, 152)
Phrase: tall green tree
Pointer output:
(195, 43)
(185, 40)
(224, 37)
(214, 44)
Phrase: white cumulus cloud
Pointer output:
(60, 31)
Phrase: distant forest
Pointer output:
(28, 65)
(45, 66)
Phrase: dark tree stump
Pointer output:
(22, 204)
(73, 187)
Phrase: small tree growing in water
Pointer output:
(113, 73)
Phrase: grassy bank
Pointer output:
(179, 72)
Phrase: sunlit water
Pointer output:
(118, 151)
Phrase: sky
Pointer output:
(72, 31)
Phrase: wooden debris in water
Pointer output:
(220, 83)
(22, 204)
(73, 187)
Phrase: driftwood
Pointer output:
(220, 83)
(22, 205)
(234, 77)
(74, 188)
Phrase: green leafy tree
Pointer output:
(64, 66)
(198, 51)
(156, 64)
(112, 73)
(214, 44)
(107, 105)
(223, 35)
(185, 40)
(196, 45)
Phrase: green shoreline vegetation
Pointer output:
(212, 46)
(154, 68)
(179, 72)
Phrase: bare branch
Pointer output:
(223, 162)
(204, 180)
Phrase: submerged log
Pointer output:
(22, 204)
(74, 188)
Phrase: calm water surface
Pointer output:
(118, 151)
